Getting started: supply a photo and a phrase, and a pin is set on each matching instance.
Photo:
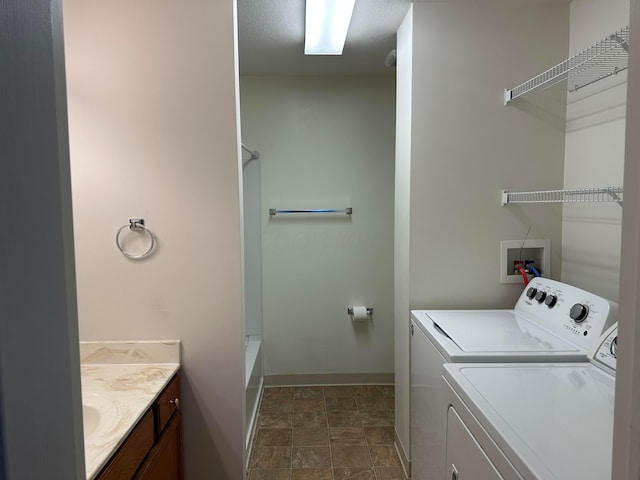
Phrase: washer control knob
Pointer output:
(540, 296)
(579, 312)
(531, 292)
(550, 301)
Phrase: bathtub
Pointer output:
(253, 385)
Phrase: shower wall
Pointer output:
(252, 246)
(325, 143)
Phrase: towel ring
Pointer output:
(136, 224)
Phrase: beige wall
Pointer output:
(325, 143)
(465, 146)
(152, 116)
(594, 157)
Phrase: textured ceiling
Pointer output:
(271, 39)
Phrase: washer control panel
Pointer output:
(568, 311)
(607, 351)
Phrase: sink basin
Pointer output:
(99, 414)
(90, 419)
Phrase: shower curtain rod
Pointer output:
(254, 153)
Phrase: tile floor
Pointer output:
(326, 433)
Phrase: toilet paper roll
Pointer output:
(359, 314)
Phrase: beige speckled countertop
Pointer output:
(120, 381)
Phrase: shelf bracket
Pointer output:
(508, 95)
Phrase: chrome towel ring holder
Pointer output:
(137, 225)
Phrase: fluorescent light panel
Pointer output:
(326, 26)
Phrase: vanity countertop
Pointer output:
(120, 381)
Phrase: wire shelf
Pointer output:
(577, 195)
(607, 57)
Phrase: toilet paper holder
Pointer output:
(369, 310)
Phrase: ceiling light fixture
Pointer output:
(326, 26)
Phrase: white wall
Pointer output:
(626, 443)
(402, 231)
(325, 143)
(594, 157)
(152, 109)
(466, 146)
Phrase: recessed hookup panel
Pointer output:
(513, 252)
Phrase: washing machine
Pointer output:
(551, 322)
(532, 421)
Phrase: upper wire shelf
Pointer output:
(576, 195)
(607, 57)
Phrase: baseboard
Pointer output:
(406, 464)
(329, 379)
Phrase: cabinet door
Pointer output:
(132, 452)
(167, 403)
(465, 458)
(165, 459)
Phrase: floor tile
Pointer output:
(347, 436)
(391, 403)
(340, 404)
(344, 419)
(271, 457)
(308, 392)
(308, 436)
(389, 473)
(341, 432)
(377, 419)
(270, 474)
(273, 437)
(388, 391)
(310, 419)
(309, 405)
(350, 456)
(379, 435)
(353, 474)
(278, 392)
(275, 420)
(310, 457)
(384, 456)
(370, 391)
(312, 474)
(338, 391)
(277, 405)
(369, 404)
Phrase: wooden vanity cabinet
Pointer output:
(153, 450)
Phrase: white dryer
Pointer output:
(532, 421)
(551, 322)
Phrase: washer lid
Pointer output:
(496, 331)
(557, 418)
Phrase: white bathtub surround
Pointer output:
(120, 380)
(254, 380)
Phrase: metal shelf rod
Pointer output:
(254, 153)
(348, 211)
